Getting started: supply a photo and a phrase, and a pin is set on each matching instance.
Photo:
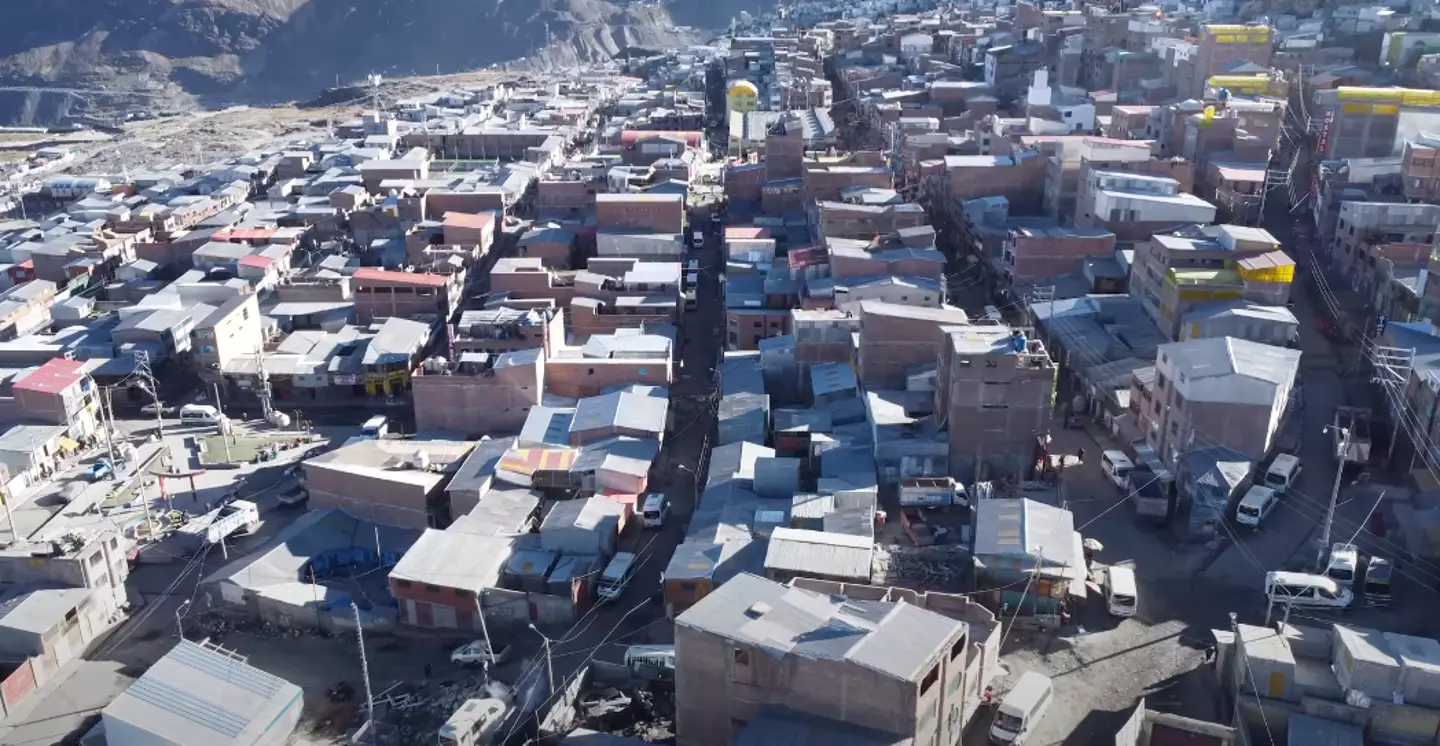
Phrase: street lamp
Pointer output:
(179, 627)
(549, 660)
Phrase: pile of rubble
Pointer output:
(216, 625)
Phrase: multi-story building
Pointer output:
(381, 294)
(1421, 169)
(1366, 233)
(1177, 271)
(753, 644)
(647, 213)
(994, 389)
(895, 340)
(1360, 122)
(231, 332)
(1036, 253)
(1217, 391)
(1215, 48)
(1136, 206)
(60, 392)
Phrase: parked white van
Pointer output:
(1283, 473)
(616, 576)
(1021, 708)
(655, 510)
(199, 413)
(1117, 467)
(1255, 505)
(1344, 564)
(1120, 593)
(1304, 590)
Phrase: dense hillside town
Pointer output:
(875, 375)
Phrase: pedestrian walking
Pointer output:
(427, 671)
(1080, 455)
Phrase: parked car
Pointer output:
(475, 654)
(153, 409)
(296, 495)
(100, 470)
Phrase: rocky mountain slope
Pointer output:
(257, 50)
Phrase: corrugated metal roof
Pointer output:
(1024, 528)
(896, 640)
(198, 694)
(795, 550)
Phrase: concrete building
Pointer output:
(1195, 265)
(644, 213)
(1362, 122)
(1217, 391)
(1214, 50)
(202, 693)
(383, 481)
(897, 339)
(1421, 169)
(480, 394)
(753, 643)
(1136, 206)
(1031, 254)
(1369, 233)
(993, 392)
(435, 591)
(381, 294)
(232, 332)
(60, 392)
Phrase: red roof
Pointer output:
(255, 260)
(243, 234)
(468, 220)
(54, 377)
(692, 139)
(746, 231)
(399, 278)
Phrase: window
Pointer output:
(741, 657)
(957, 648)
(930, 679)
(462, 593)
(402, 583)
(431, 589)
(590, 372)
(95, 559)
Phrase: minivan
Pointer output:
(1283, 472)
(1306, 590)
(1255, 505)
(616, 576)
(1117, 467)
(1120, 596)
(1377, 582)
(651, 662)
(1021, 708)
(1344, 564)
(655, 510)
(199, 413)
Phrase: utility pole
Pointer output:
(365, 671)
(1334, 496)
(263, 390)
(109, 426)
(549, 658)
(1236, 650)
(149, 386)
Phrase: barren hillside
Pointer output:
(265, 50)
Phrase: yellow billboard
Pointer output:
(1400, 96)
(1229, 33)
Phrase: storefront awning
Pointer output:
(68, 444)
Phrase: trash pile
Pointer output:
(216, 625)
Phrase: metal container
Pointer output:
(1363, 662)
(1419, 668)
